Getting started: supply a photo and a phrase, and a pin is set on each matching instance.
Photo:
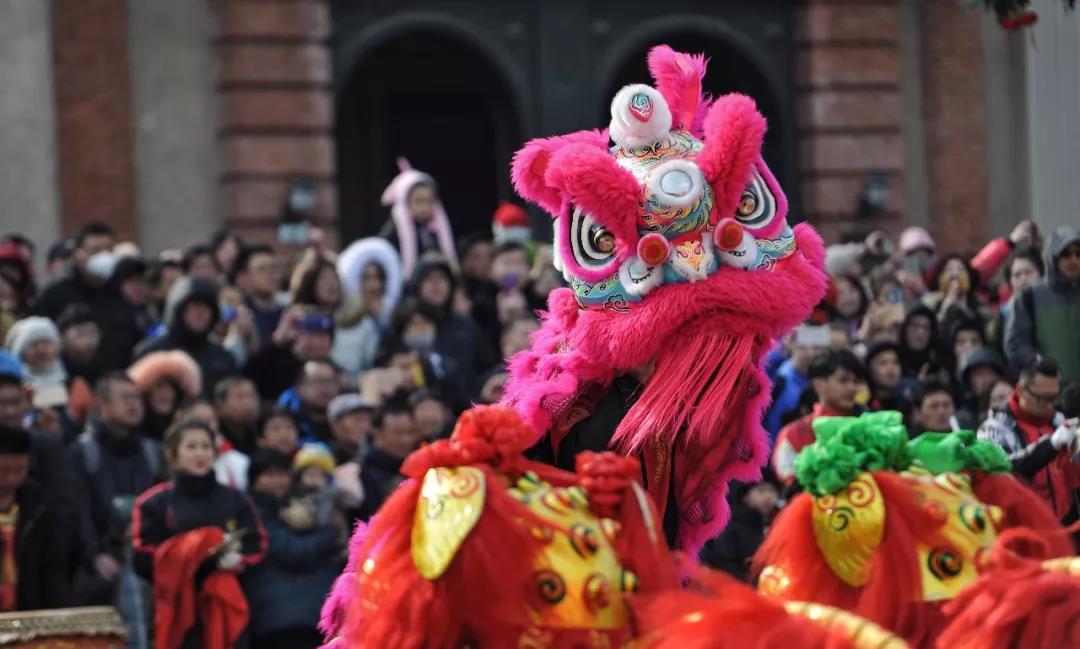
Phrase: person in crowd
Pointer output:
(237, 405)
(836, 377)
(86, 278)
(477, 257)
(396, 435)
(753, 507)
(1023, 269)
(456, 336)
(227, 246)
(257, 273)
(188, 504)
(791, 380)
(57, 258)
(315, 283)
(316, 386)
(979, 370)
(301, 336)
(190, 315)
(16, 268)
(543, 278)
(965, 336)
(49, 465)
(161, 274)
(999, 395)
(516, 336)
(418, 224)
(33, 565)
(278, 430)
(1037, 440)
(200, 262)
(1069, 402)
(885, 375)
(130, 313)
(409, 348)
(35, 342)
(112, 463)
(919, 343)
(510, 223)
(370, 273)
(433, 418)
(350, 416)
(230, 465)
(851, 302)
(954, 294)
(1044, 318)
(80, 338)
(932, 408)
(165, 381)
(510, 272)
(236, 327)
(286, 591)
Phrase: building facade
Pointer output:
(172, 119)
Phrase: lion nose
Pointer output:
(728, 235)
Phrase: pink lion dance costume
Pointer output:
(683, 271)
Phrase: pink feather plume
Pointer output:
(678, 77)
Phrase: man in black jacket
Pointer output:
(190, 315)
(86, 282)
(32, 565)
(395, 437)
(113, 464)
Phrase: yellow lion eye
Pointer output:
(747, 204)
(603, 241)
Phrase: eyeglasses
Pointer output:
(1042, 399)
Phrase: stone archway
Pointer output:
(426, 93)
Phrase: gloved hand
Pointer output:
(1063, 436)
(230, 561)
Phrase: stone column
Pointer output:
(27, 137)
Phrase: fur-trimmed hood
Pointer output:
(176, 366)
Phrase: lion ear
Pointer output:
(530, 166)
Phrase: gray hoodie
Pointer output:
(1045, 318)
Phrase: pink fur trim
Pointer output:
(734, 131)
(678, 77)
(599, 345)
(531, 162)
(175, 365)
(343, 592)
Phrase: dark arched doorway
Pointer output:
(441, 103)
(729, 70)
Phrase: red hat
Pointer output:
(511, 215)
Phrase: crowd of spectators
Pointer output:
(274, 392)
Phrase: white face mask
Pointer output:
(101, 265)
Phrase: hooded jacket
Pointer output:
(212, 359)
(458, 338)
(410, 238)
(1045, 318)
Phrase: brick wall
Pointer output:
(850, 80)
(277, 110)
(955, 121)
(92, 95)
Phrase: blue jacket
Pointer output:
(287, 589)
(788, 387)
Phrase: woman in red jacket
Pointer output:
(191, 537)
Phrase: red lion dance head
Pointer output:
(676, 246)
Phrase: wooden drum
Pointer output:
(65, 628)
